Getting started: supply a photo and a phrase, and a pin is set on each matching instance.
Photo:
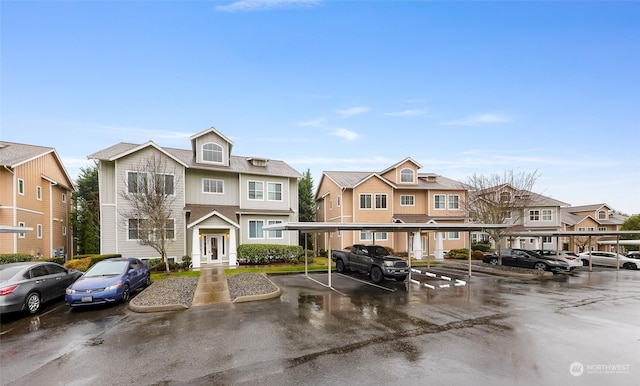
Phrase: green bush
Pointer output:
(323, 253)
(477, 255)
(79, 264)
(462, 253)
(482, 247)
(14, 258)
(59, 260)
(186, 262)
(269, 253)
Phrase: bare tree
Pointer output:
(500, 199)
(150, 194)
(582, 242)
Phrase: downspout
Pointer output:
(14, 210)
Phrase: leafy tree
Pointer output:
(306, 205)
(631, 224)
(86, 211)
(500, 199)
(150, 197)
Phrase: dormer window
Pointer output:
(505, 196)
(406, 175)
(431, 178)
(258, 161)
(212, 152)
(602, 215)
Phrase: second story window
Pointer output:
(164, 184)
(365, 201)
(212, 186)
(406, 175)
(39, 193)
(534, 215)
(547, 215)
(212, 152)
(439, 201)
(274, 191)
(407, 200)
(136, 182)
(256, 190)
(381, 201)
(454, 201)
(21, 186)
(602, 215)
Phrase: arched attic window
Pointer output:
(212, 152)
(406, 175)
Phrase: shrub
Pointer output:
(186, 262)
(79, 264)
(477, 255)
(482, 247)
(59, 260)
(323, 253)
(462, 253)
(14, 258)
(268, 253)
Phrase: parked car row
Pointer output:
(610, 259)
(559, 261)
(27, 286)
(528, 259)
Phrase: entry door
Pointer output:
(213, 248)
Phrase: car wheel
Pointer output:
(147, 281)
(33, 302)
(629, 266)
(493, 261)
(540, 266)
(125, 293)
(376, 275)
(585, 263)
(340, 266)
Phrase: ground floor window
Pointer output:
(255, 229)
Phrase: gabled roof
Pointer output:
(14, 154)
(207, 131)
(586, 208)
(237, 164)
(409, 159)
(535, 199)
(574, 215)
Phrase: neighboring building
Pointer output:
(530, 212)
(35, 192)
(397, 194)
(221, 200)
(589, 218)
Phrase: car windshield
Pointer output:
(7, 273)
(107, 268)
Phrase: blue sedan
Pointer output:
(109, 281)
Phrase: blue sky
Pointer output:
(460, 87)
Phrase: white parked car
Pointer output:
(609, 259)
(570, 257)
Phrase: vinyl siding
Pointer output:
(195, 195)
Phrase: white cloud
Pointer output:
(262, 5)
(353, 111)
(312, 122)
(346, 134)
(406, 113)
(480, 120)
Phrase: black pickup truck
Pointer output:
(374, 260)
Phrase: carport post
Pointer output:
(618, 252)
(469, 234)
(306, 257)
(590, 265)
(328, 256)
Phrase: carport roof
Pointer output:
(380, 227)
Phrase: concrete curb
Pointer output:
(164, 307)
(251, 298)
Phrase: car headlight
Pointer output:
(389, 263)
(70, 291)
(112, 287)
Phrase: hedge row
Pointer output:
(20, 257)
(463, 253)
(83, 263)
(269, 253)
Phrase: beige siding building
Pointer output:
(588, 218)
(398, 194)
(35, 192)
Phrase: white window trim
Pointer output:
(22, 235)
(273, 222)
(38, 192)
(222, 161)
(375, 201)
(21, 186)
(413, 176)
(453, 238)
(39, 231)
(64, 230)
(448, 205)
(339, 202)
(360, 201)
(534, 214)
(173, 182)
(413, 199)
(444, 201)
(64, 197)
(249, 230)
(249, 190)
(547, 211)
(281, 191)
(212, 179)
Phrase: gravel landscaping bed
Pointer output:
(247, 284)
(175, 290)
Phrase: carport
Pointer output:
(417, 229)
(589, 234)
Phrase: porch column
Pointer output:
(195, 247)
(233, 253)
(439, 251)
(417, 246)
(536, 243)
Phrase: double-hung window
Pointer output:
(212, 186)
(454, 201)
(381, 201)
(255, 229)
(547, 215)
(274, 191)
(256, 190)
(212, 152)
(439, 201)
(136, 182)
(274, 234)
(534, 215)
(365, 201)
(407, 200)
(164, 184)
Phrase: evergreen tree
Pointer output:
(86, 212)
(306, 205)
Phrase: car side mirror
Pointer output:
(132, 271)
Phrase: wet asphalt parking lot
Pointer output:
(581, 329)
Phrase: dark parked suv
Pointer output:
(527, 259)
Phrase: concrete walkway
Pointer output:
(212, 287)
